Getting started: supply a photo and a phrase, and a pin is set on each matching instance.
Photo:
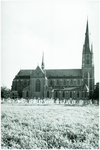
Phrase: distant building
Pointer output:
(58, 83)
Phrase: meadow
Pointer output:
(49, 126)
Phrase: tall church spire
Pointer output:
(86, 46)
(42, 64)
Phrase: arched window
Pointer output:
(48, 94)
(28, 82)
(66, 95)
(82, 82)
(74, 82)
(87, 59)
(67, 83)
(85, 93)
(15, 83)
(64, 82)
(74, 95)
(25, 82)
(37, 87)
(19, 82)
(63, 95)
(50, 82)
(22, 82)
(87, 56)
(78, 82)
(71, 82)
(56, 95)
(27, 94)
(57, 82)
(77, 94)
(70, 94)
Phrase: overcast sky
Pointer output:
(56, 27)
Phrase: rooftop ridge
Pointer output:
(64, 69)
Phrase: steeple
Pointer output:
(86, 47)
(87, 56)
(87, 63)
(42, 64)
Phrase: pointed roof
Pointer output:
(42, 64)
(87, 30)
(38, 72)
(86, 47)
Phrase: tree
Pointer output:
(96, 92)
(14, 94)
(5, 92)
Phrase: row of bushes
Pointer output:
(7, 93)
(49, 101)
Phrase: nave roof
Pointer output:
(53, 73)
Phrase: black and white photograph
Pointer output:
(50, 74)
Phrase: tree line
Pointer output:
(7, 93)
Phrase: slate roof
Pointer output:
(54, 72)
(68, 88)
(25, 72)
(63, 72)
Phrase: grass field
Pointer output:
(47, 127)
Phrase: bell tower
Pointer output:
(87, 63)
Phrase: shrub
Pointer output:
(5, 92)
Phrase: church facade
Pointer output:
(58, 83)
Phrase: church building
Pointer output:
(58, 83)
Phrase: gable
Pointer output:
(38, 73)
